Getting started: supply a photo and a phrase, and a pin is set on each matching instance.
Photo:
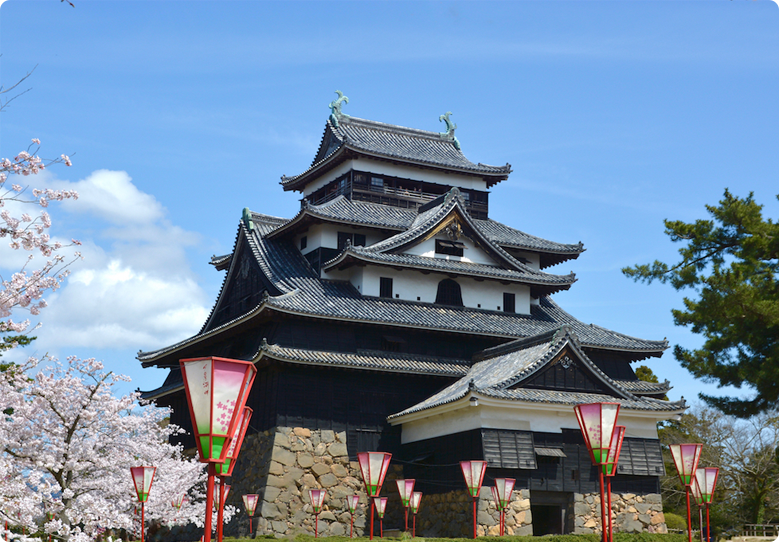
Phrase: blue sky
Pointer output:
(177, 115)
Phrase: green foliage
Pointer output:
(645, 374)
(13, 341)
(675, 521)
(730, 262)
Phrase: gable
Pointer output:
(242, 291)
(449, 239)
(566, 372)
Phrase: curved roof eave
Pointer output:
(299, 181)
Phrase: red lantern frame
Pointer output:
(473, 472)
(142, 480)
(405, 489)
(686, 457)
(373, 467)
(250, 501)
(228, 382)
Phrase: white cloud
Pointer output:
(134, 287)
(112, 196)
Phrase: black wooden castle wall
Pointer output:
(434, 463)
(355, 401)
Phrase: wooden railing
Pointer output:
(761, 529)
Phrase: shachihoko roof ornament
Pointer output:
(335, 108)
(450, 128)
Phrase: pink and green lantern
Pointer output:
(473, 472)
(217, 390)
(597, 422)
(373, 467)
(405, 489)
(317, 497)
(610, 468)
(705, 482)
(234, 448)
(381, 507)
(686, 457)
(178, 502)
(352, 501)
(250, 505)
(142, 479)
(501, 492)
(414, 504)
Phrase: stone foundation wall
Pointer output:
(283, 463)
(451, 515)
(630, 513)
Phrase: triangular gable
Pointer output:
(566, 372)
(330, 142)
(448, 218)
(243, 287)
(565, 367)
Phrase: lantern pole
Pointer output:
(597, 422)
(317, 497)
(217, 390)
(705, 482)
(142, 479)
(416, 500)
(373, 467)
(249, 504)
(381, 506)
(352, 501)
(686, 457)
(473, 472)
(405, 489)
(610, 468)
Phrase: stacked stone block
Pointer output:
(283, 463)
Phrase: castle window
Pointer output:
(357, 239)
(452, 248)
(449, 293)
(393, 344)
(385, 287)
(377, 183)
(303, 242)
(509, 302)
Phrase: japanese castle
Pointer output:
(392, 310)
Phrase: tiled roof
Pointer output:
(357, 213)
(382, 140)
(374, 360)
(501, 376)
(555, 282)
(640, 387)
(551, 253)
(434, 216)
(303, 292)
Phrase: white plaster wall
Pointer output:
(544, 418)
(331, 175)
(535, 259)
(393, 170)
(416, 286)
(314, 235)
(471, 252)
(326, 235)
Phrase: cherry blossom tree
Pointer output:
(24, 290)
(67, 445)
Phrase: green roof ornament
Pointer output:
(247, 219)
(335, 108)
(450, 128)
